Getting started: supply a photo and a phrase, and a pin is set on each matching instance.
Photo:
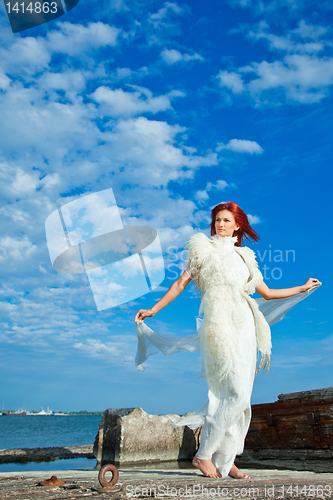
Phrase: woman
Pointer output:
(230, 335)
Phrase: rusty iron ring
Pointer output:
(101, 476)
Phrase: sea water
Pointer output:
(48, 431)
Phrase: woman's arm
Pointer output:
(280, 293)
(176, 288)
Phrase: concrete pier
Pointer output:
(169, 484)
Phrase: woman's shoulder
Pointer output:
(247, 253)
(199, 246)
(198, 238)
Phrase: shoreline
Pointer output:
(24, 455)
(316, 461)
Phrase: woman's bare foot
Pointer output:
(237, 474)
(207, 467)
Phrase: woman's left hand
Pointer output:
(310, 283)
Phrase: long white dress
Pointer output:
(231, 331)
(228, 413)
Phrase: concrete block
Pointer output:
(130, 435)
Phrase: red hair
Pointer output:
(241, 220)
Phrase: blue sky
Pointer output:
(176, 106)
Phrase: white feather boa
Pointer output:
(205, 262)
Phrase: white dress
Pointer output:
(228, 413)
(231, 331)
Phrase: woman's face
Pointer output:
(225, 224)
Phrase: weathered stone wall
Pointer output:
(300, 420)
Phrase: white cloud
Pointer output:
(271, 7)
(174, 56)
(298, 361)
(123, 73)
(50, 181)
(126, 75)
(24, 183)
(28, 55)
(11, 248)
(241, 146)
(95, 347)
(309, 31)
(148, 153)
(4, 81)
(15, 182)
(163, 25)
(69, 81)
(65, 137)
(75, 39)
(120, 103)
(303, 75)
(50, 317)
(201, 195)
(303, 78)
(115, 352)
(129, 268)
(253, 219)
(14, 213)
(220, 185)
(231, 80)
(44, 125)
(118, 5)
(25, 55)
(164, 12)
(291, 42)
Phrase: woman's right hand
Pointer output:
(142, 314)
(310, 283)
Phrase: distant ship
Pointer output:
(43, 412)
(14, 413)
